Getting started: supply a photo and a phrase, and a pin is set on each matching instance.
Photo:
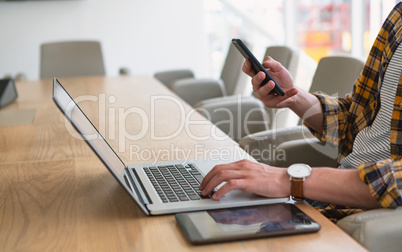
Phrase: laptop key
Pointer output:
(176, 183)
(199, 178)
(194, 197)
(164, 199)
(184, 198)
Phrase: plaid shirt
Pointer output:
(345, 117)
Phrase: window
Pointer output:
(323, 27)
(317, 27)
(259, 22)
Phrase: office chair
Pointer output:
(335, 73)
(70, 59)
(287, 56)
(237, 119)
(168, 77)
(238, 106)
(193, 90)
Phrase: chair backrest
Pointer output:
(232, 69)
(288, 57)
(71, 58)
(336, 75)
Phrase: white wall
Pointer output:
(142, 35)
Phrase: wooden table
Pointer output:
(55, 195)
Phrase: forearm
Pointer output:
(308, 108)
(331, 185)
(339, 186)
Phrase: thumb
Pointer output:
(286, 102)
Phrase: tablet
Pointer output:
(245, 223)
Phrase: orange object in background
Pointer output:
(322, 28)
(317, 44)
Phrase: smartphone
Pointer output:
(256, 65)
(245, 223)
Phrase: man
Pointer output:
(366, 126)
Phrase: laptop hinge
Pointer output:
(135, 184)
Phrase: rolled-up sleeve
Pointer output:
(335, 112)
(384, 179)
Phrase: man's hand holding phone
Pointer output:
(264, 93)
(265, 77)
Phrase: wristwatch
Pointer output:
(298, 173)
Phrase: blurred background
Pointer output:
(144, 37)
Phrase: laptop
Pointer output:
(165, 187)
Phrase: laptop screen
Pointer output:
(90, 134)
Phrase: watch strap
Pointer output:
(296, 188)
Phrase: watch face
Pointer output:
(299, 170)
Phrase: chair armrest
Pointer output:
(274, 137)
(237, 118)
(277, 118)
(196, 90)
(232, 98)
(307, 151)
(377, 230)
(286, 146)
(168, 77)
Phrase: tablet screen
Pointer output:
(245, 222)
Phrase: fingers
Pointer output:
(285, 101)
(225, 173)
(275, 101)
(231, 185)
(210, 175)
(248, 69)
(214, 172)
(228, 176)
(271, 64)
(259, 77)
(257, 80)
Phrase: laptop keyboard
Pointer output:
(175, 183)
